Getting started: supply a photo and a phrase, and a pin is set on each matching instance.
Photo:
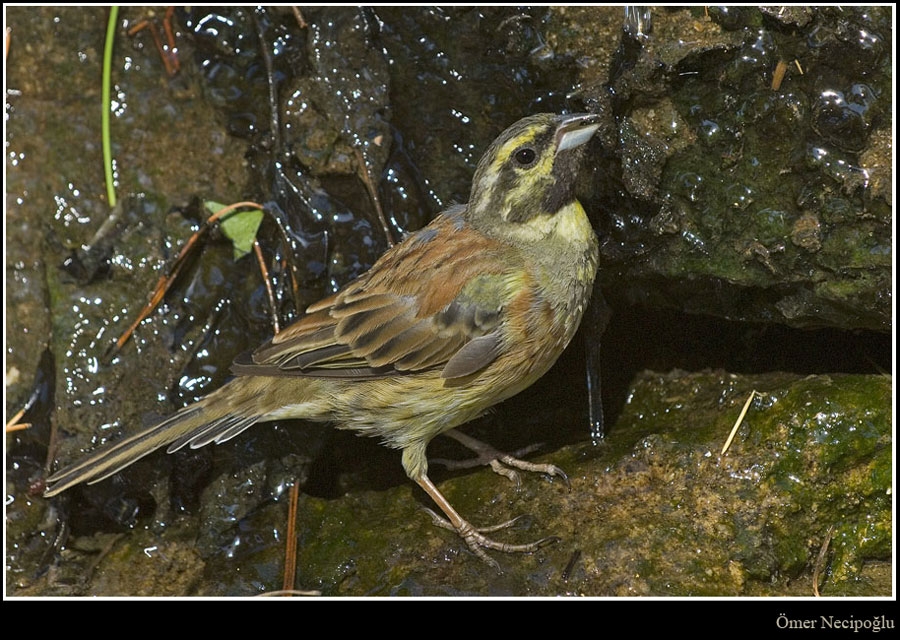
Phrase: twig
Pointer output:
(299, 16)
(165, 282)
(290, 554)
(103, 553)
(373, 195)
(264, 272)
(13, 423)
(170, 37)
(168, 53)
(567, 572)
(12, 427)
(740, 419)
(820, 560)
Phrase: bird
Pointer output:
(462, 314)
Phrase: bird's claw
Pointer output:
(478, 542)
(501, 463)
(523, 465)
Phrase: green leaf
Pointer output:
(240, 227)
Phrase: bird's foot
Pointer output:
(501, 463)
(478, 542)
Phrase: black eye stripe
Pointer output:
(524, 156)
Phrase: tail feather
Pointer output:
(190, 425)
(217, 431)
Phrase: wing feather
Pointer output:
(420, 307)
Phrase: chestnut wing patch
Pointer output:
(417, 309)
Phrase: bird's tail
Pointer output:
(213, 419)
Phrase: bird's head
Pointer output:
(528, 175)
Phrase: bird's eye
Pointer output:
(524, 156)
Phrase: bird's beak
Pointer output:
(573, 131)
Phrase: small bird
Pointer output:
(461, 315)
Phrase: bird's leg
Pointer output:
(474, 538)
(502, 463)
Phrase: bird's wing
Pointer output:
(435, 301)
